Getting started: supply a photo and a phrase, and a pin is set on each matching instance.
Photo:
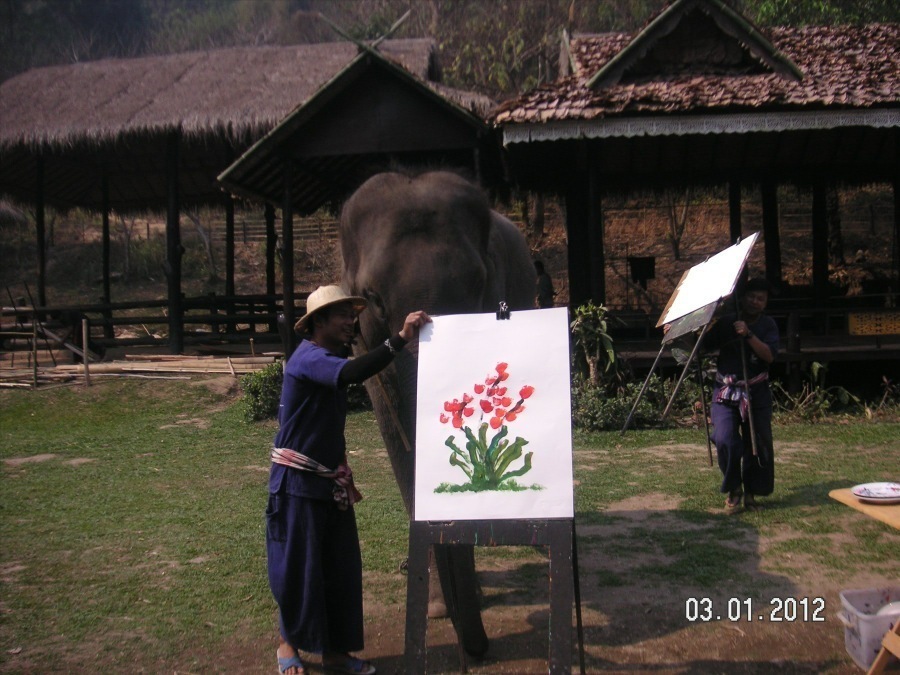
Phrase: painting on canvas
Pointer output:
(493, 420)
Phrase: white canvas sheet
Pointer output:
(460, 356)
(709, 281)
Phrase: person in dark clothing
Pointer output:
(544, 292)
(748, 344)
(313, 555)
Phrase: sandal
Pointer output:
(733, 503)
(287, 662)
(750, 501)
(350, 666)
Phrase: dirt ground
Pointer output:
(628, 629)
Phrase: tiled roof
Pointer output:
(844, 67)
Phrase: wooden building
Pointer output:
(153, 133)
(701, 96)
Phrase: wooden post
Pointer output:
(231, 326)
(40, 233)
(770, 231)
(820, 254)
(271, 242)
(734, 210)
(173, 245)
(287, 263)
(108, 330)
(895, 256)
(85, 341)
(578, 249)
(34, 363)
(595, 233)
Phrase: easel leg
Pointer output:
(579, 625)
(643, 389)
(684, 372)
(561, 597)
(416, 600)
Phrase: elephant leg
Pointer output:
(456, 568)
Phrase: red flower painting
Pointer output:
(486, 462)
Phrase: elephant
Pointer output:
(428, 242)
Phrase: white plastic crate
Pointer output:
(864, 628)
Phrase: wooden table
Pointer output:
(886, 513)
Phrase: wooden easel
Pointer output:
(890, 645)
(557, 534)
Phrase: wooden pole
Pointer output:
(734, 210)
(173, 245)
(271, 243)
(820, 254)
(40, 233)
(34, 363)
(287, 263)
(770, 232)
(85, 335)
(595, 233)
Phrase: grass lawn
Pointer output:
(131, 526)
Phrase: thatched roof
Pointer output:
(241, 92)
(103, 128)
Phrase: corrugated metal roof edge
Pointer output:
(684, 125)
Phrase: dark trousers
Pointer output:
(315, 573)
(736, 461)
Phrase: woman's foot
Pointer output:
(289, 662)
(336, 662)
(733, 503)
(750, 501)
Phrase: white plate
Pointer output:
(878, 493)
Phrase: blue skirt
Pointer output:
(315, 573)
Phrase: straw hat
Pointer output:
(324, 296)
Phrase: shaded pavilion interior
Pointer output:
(701, 97)
(152, 134)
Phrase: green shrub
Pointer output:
(262, 392)
(594, 410)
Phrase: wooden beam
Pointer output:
(173, 244)
(771, 234)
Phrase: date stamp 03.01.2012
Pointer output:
(786, 610)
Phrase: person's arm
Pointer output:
(759, 347)
(362, 368)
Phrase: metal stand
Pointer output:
(699, 319)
